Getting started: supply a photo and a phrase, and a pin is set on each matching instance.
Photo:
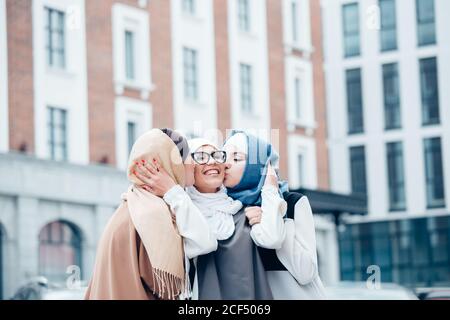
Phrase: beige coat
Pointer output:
(140, 254)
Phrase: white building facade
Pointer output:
(387, 66)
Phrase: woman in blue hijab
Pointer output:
(259, 158)
(291, 269)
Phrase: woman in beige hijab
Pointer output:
(141, 254)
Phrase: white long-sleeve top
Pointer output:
(298, 254)
(270, 232)
(192, 225)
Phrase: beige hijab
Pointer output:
(152, 217)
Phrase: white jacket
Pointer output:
(298, 254)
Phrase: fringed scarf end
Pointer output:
(166, 285)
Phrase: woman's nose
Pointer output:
(211, 161)
(227, 165)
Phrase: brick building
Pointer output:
(80, 80)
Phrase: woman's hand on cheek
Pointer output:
(253, 215)
(155, 178)
(271, 177)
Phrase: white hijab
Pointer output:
(218, 208)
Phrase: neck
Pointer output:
(207, 189)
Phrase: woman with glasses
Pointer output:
(208, 192)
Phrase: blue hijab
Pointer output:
(259, 155)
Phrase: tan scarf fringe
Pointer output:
(166, 285)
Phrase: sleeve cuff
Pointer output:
(274, 198)
(173, 193)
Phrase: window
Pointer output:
(396, 177)
(354, 101)
(298, 97)
(411, 252)
(358, 170)
(129, 55)
(391, 91)
(434, 173)
(244, 15)
(350, 15)
(132, 118)
(426, 29)
(59, 247)
(57, 134)
(246, 88)
(429, 91)
(55, 38)
(388, 32)
(189, 6)
(131, 134)
(190, 74)
(131, 50)
(294, 12)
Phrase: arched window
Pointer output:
(59, 247)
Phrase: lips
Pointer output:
(211, 172)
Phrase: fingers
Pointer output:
(253, 212)
(150, 167)
(147, 188)
(157, 166)
(146, 175)
(271, 177)
(254, 221)
(144, 178)
(253, 215)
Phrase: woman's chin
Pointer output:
(214, 182)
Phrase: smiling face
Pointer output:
(208, 177)
(235, 165)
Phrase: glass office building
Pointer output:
(412, 252)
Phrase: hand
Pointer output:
(271, 177)
(155, 178)
(253, 215)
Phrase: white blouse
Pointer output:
(192, 225)
(298, 254)
(271, 231)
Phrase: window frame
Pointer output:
(62, 128)
(190, 74)
(423, 23)
(351, 34)
(390, 29)
(355, 111)
(390, 72)
(431, 146)
(246, 87)
(52, 51)
(395, 175)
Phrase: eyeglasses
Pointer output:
(202, 157)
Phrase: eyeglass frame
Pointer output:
(210, 155)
